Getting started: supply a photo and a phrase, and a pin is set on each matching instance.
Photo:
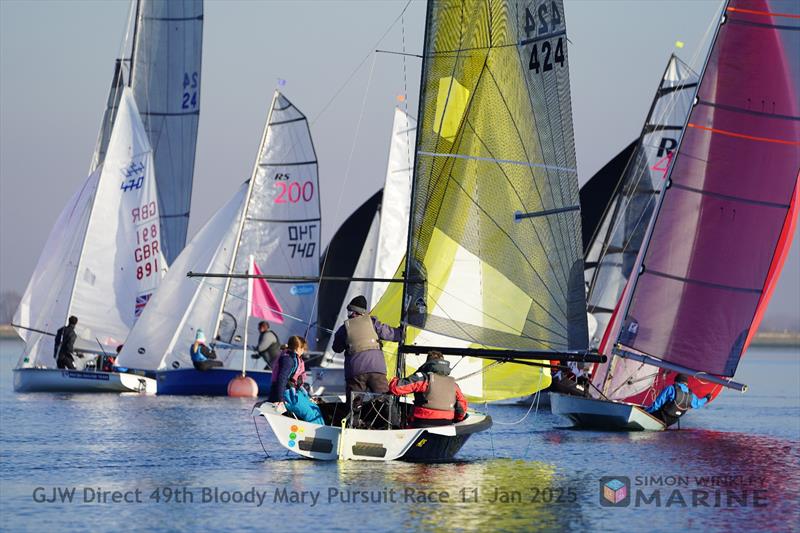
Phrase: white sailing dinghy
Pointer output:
(102, 263)
(162, 68)
(495, 270)
(275, 218)
(708, 258)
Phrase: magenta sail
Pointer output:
(711, 259)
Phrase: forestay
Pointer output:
(495, 225)
(723, 229)
(165, 78)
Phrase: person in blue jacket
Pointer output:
(675, 400)
(203, 357)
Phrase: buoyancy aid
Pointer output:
(682, 403)
(299, 375)
(361, 334)
(440, 396)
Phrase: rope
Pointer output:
(259, 435)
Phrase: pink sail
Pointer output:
(721, 234)
(264, 304)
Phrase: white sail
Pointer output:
(383, 251)
(280, 227)
(162, 336)
(121, 264)
(45, 303)
(165, 78)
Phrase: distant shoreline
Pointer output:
(763, 339)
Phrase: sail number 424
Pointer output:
(542, 25)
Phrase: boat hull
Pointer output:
(214, 382)
(329, 443)
(592, 413)
(58, 380)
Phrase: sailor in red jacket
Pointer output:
(438, 400)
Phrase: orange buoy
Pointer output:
(242, 387)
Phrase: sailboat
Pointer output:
(711, 252)
(154, 150)
(275, 218)
(116, 209)
(493, 276)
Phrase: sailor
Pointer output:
(64, 352)
(359, 338)
(675, 400)
(438, 399)
(203, 357)
(269, 346)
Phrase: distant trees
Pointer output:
(9, 301)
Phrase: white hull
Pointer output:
(591, 413)
(326, 381)
(329, 443)
(58, 380)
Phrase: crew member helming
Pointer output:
(438, 400)
(675, 400)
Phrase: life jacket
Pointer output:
(361, 334)
(439, 397)
(299, 375)
(682, 403)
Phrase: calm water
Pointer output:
(178, 446)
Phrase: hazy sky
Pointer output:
(56, 61)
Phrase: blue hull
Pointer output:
(214, 382)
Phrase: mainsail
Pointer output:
(280, 227)
(495, 244)
(716, 246)
(165, 78)
(275, 217)
(611, 255)
(102, 261)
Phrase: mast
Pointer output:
(400, 368)
(637, 268)
(136, 15)
(244, 213)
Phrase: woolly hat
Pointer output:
(358, 305)
(200, 336)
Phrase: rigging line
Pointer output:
(346, 175)
(535, 230)
(498, 161)
(519, 197)
(544, 283)
(230, 294)
(390, 52)
(360, 64)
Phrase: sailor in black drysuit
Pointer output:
(675, 400)
(269, 345)
(64, 351)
